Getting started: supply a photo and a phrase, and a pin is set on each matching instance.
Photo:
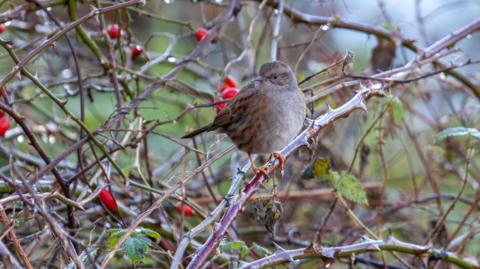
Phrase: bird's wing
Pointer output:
(238, 106)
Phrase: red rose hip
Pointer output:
(185, 209)
(4, 125)
(107, 200)
(137, 51)
(230, 81)
(219, 107)
(3, 28)
(229, 93)
(200, 33)
(223, 88)
(113, 31)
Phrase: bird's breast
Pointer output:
(271, 126)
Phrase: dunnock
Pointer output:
(266, 114)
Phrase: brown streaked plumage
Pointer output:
(265, 115)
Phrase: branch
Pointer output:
(276, 31)
(368, 245)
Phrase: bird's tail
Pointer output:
(199, 131)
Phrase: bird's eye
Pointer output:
(275, 77)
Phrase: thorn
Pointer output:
(307, 123)
(367, 239)
(376, 86)
(278, 247)
(281, 250)
(390, 239)
(352, 258)
(362, 106)
(329, 108)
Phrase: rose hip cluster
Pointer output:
(114, 32)
(228, 91)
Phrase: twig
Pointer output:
(276, 30)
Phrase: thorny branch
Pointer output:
(329, 254)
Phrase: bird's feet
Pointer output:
(261, 170)
(256, 170)
(280, 158)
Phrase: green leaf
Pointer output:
(136, 246)
(457, 131)
(395, 108)
(321, 168)
(153, 234)
(235, 247)
(113, 236)
(349, 187)
(334, 177)
(261, 251)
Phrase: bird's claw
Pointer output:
(281, 160)
(261, 170)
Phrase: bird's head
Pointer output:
(276, 74)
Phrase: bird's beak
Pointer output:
(259, 78)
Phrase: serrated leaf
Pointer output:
(234, 247)
(396, 109)
(136, 246)
(321, 168)
(240, 245)
(152, 233)
(261, 251)
(457, 131)
(113, 236)
(349, 187)
(334, 177)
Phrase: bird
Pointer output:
(264, 116)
